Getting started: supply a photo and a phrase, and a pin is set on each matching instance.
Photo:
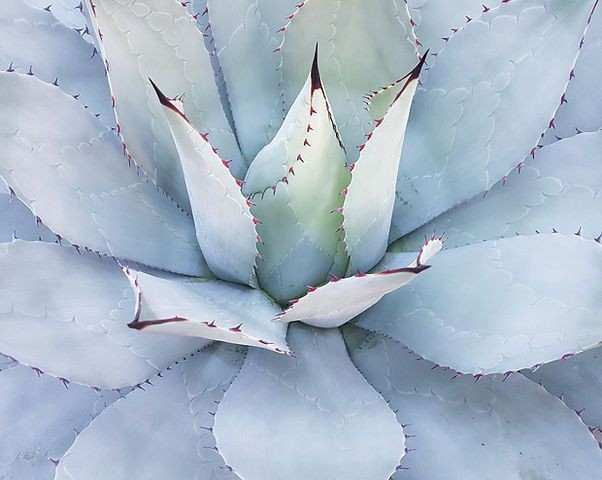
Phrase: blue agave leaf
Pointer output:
(485, 103)
(163, 430)
(65, 312)
(313, 416)
(467, 429)
(499, 306)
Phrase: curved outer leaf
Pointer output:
(163, 431)
(340, 300)
(246, 36)
(206, 308)
(69, 170)
(313, 416)
(33, 40)
(371, 194)
(558, 190)
(464, 134)
(436, 20)
(581, 106)
(159, 39)
(499, 306)
(39, 419)
(225, 227)
(16, 221)
(577, 380)
(355, 61)
(65, 312)
(69, 12)
(484, 430)
(295, 184)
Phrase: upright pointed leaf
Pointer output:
(295, 184)
(225, 227)
(70, 171)
(356, 38)
(246, 35)
(66, 312)
(206, 308)
(558, 190)
(312, 416)
(163, 430)
(464, 134)
(39, 419)
(499, 306)
(32, 40)
(459, 428)
(159, 39)
(371, 194)
(340, 300)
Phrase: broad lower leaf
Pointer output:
(312, 416)
(437, 20)
(558, 190)
(577, 380)
(295, 186)
(70, 171)
(370, 197)
(342, 299)
(40, 417)
(499, 306)
(580, 107)
(356, 38)
(163, 430)
(225, 227)
(206, 308)
(65, 312)
(465, 132)
(491, 428)
(246, 35)
(33, 41)
(159, 39)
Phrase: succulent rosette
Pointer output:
(260, 239)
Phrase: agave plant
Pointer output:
(218, 229)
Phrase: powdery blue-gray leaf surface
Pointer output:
(295, 186)
(355, 62)
(159, 39)
(437, 20)
(464, 133)
(163, 430)
(17, 221)
(225, 227)
(246, 35)
(342, 299)
(72, 13)
(577, 380)
(490, 429)
(315, 415)
(39, 419)
(499, 306)
(210, 309)
(69, 170)
(33, 40)
(581, 105)
(66, 311)
(557, 190)
(370, 196)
